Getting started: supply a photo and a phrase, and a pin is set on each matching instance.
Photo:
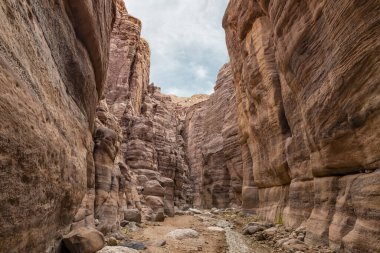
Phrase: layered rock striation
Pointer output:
(213, 146)
(151, 143)
(307, 89)
(53, 60)
(154, 151)
(128, 73)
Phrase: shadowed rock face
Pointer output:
(151, 144)
(213, 149)
(307, 88)
(153, 148)
(53, 58)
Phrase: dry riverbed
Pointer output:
(218, 232)
(215, 235)
(207, 240)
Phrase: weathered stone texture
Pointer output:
(153, 148)
(213, 149)
(53, 59)
(308, 97)
(128, 74)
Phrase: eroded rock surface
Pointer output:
(307, 89)
(53, 59)
(151, 144)
(213, 148)
(154, 150)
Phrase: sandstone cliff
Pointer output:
(307, 89)
(151, 143)
(53, 60)
(128, 74)
(154, 150)
(213, 148)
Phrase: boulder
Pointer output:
(84, 240)
(250, 230)
(132, 215)
(180, 234)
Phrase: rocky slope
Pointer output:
(307, 89)
(53, 61)
(213, 149)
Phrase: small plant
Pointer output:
(279, 220)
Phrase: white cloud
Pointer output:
(186, 39)
(200, 72)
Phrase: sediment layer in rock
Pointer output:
(307, 88)
(213, 148)
(53, 59)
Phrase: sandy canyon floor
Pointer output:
(215, 235)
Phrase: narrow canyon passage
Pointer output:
(283, 156)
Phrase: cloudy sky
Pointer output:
(187, 42)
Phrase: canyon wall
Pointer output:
(53, 63)
(308, 98)
(154, 150)
(213, 146)
(151, 145)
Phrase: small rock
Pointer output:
(97, 222)
(294, 245)
(301, 229)
(196, 211)
(117, 249)
(132, 226)
(112, 241)
(259, 236)
(159, 243)
(216, 229)
(293, 235)
(159, 216)
(178, 211)
(270, 231)
(118, 235)
(301, 237)
(224, 224)
(181, 234)
(261, 224)
(280, 242)
(124, 223)
(133, 245)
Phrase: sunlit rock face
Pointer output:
(128, 73)
(307, 89)
(53, 59)
(213, 147)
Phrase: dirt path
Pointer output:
(208, 241)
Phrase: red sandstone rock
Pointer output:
(53, 58)
(213, 148)
(306, 76)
